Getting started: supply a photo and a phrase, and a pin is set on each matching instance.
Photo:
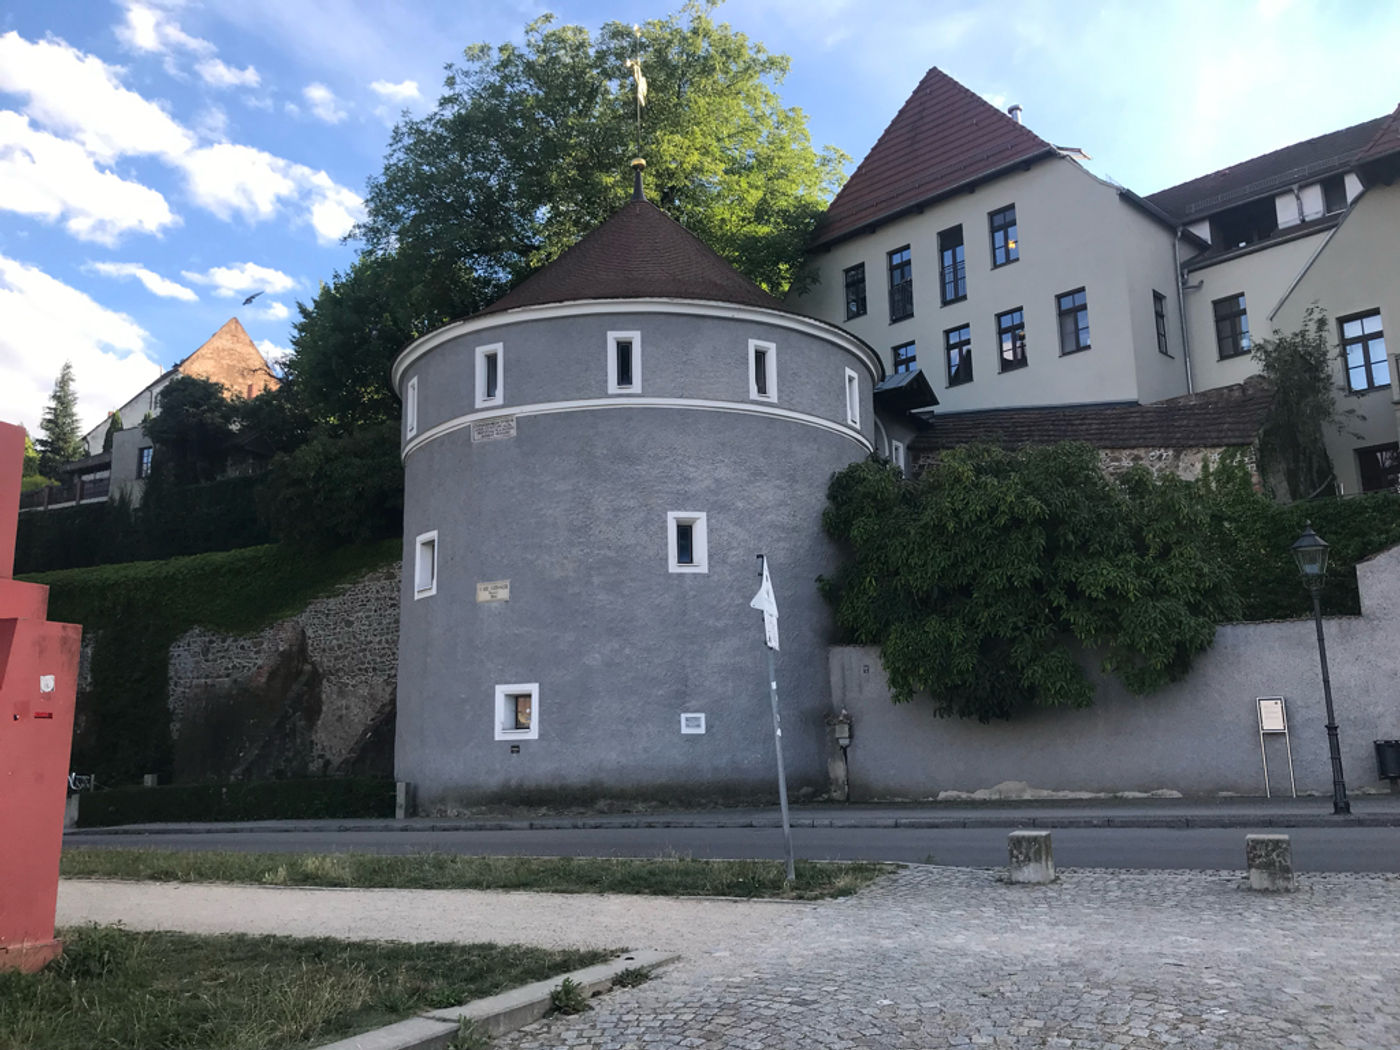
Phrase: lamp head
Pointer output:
(1310, 552)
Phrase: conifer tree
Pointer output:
(114, 425)
(62, 441)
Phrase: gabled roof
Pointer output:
(1303, 161)
(943, 138)
(639, 252)
(1386, 139)
(1226, 417)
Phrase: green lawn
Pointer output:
(116, 989)
(672, 876)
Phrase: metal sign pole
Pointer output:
(768, 604)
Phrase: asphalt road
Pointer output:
(1314, 849)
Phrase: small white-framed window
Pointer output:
(410, 408)
(693, 722)
(763, 371)
(490, 375)
(852, 398)
(624, 362)
(687, 543)
(897, 455)
(425, 565)
(518, 711)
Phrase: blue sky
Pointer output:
(161, 160)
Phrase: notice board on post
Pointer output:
(1273, 721)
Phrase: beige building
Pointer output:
(968, 247)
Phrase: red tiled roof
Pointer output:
(1222, 418)
(943, 138)
(1386, 140)
(1310, 159)
(639, 252)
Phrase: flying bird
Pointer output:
(252, 297)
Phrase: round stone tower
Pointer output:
(591, 466)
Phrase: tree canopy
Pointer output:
(63, 440)
(981, 579)
(192, 431)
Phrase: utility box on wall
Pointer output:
(38, 685)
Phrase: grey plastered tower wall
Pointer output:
(572, 509)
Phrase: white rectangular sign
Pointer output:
(1271, 715)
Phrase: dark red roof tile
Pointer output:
(944, 137)
(1386, 139)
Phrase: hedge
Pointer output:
(326, 797)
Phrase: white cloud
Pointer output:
(324, 105)
(46, 323)
(52, 179)
(276, 356)
(243, 279)
(401, 92)
(334, 209)
(151, 30)
(274, 311)
(216, 73)
(154, 282)
(80, 96)
(228, 178)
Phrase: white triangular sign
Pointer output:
(766, 602)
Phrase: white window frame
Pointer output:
(422, 589)
(852, 393)
(505, 711)
(770, 368)
(691, 727)
(635, 338)
(482, 401)
(699, 541)
(897, 451)
(410, 408)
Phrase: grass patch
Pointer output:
(119, 989)
(665, 877)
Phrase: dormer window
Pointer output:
(624, 362)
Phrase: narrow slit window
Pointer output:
(490, 381)
(425, 566)
(686, 541)
(763, 371)
(1159, 313)
(624, 362)
(852, 398)
(410, 408)
(897, 454)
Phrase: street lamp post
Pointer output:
(1310, 552)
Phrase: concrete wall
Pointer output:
(570, 506)
(1196, 737)
(1355, 273)
(1074, 231)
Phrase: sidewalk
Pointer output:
(1372, 811)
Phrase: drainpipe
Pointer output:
(1181, 311)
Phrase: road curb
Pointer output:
(497, 1014)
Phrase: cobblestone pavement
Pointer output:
(945, 957)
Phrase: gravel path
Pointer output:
(930, 957)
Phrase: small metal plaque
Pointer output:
(494, 429)
(493, 591)
(46, 683)
(1271, 715)
(693, 722)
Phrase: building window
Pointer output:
(1159, 312)
(143, 462)
(410, 408)
(904, 356)
(763, 371)
(687, 543)
(1363, 351)
(624, 362)
(518, 711)
(958, 344)
(852, 398)
(954, 265)
(1073, 309)
(1006, 247)
(1231, 326)
(897, 454)
(855, 291)
(693, 722)
(1380, 467)
(901, 285)
(425, 565)
(1011, 334)
(1334, 194)
(490, 382)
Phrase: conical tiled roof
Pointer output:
(943, 137)
(638, 253)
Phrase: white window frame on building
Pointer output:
(410, 408)
(484, 355)
(681, 524)
(633, 361)
(425, 572)
(763, 370)
(852, 398)
(897, 455)
(507, 720)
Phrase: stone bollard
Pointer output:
(1270, 862)
(1032, 860)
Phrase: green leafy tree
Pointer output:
(114, 427)
(192, 431)
(62, 441)
(1292, 443)
(30, 478)
(981, 579)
